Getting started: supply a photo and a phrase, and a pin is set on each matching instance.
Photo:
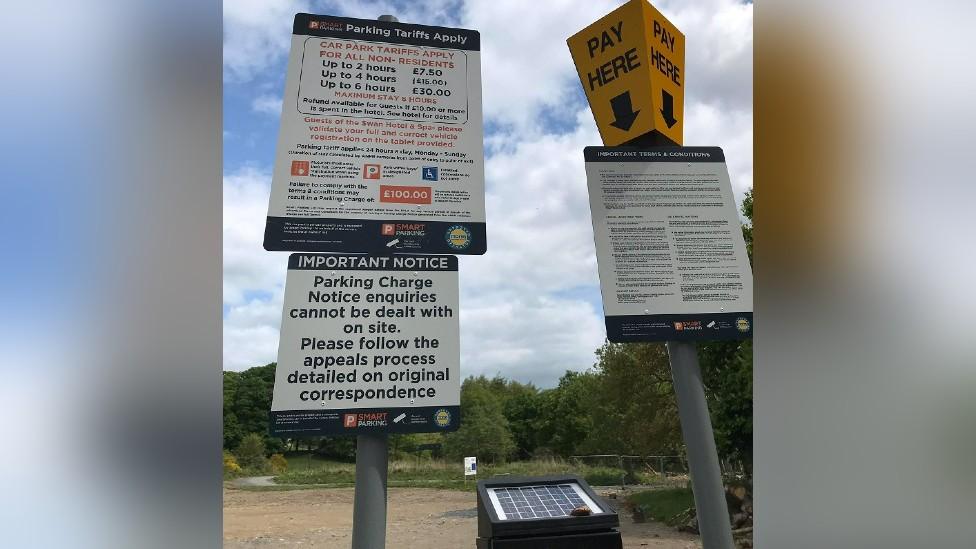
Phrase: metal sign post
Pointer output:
(696, 427)
(372, 467)
(369, 505)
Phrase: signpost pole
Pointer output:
(372, 465)
(369, 506)
(696, 427)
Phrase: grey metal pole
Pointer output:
(369, 506)
(696, 426)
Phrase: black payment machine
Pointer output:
(547, 512)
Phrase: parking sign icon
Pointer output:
(371, 171)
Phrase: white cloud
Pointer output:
(251, 332)
(718, 50)
(535, 339)
(526, 65)
(525, 62)
(540, 236)
(267, 104)
(730, 129)
(253, 278)
(247, 266)
(257, 33)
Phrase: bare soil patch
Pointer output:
(416, 518)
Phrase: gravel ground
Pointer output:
(416, 518)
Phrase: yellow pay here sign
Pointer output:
(631, 63)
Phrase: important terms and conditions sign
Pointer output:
(671, 257)
(381, 146)
(368, 344)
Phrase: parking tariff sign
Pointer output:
(380, 147)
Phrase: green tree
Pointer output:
(484, 430)
(566, 419)
(523, 410)
(232, 427)
(727, 372)
(250, 394)
(636, 411)
(342, 448)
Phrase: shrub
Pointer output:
(666, 506)
(603, 476)
(250, 453)
(278, 464)
(231, 467)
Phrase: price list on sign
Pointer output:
(414, 83)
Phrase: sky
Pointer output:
(526, 314)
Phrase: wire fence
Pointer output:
(652, 469)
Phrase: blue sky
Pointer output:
(530, 307)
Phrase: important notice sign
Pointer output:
(670, 252)
(368, 344)
(381, 142)
(631, 63)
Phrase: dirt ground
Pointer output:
(416, 519)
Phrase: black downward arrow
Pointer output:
(623, 111)
(667, 111)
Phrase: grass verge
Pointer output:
(663, 505)
(459, 485)
(431, 472)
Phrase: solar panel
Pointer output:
(539, 501)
